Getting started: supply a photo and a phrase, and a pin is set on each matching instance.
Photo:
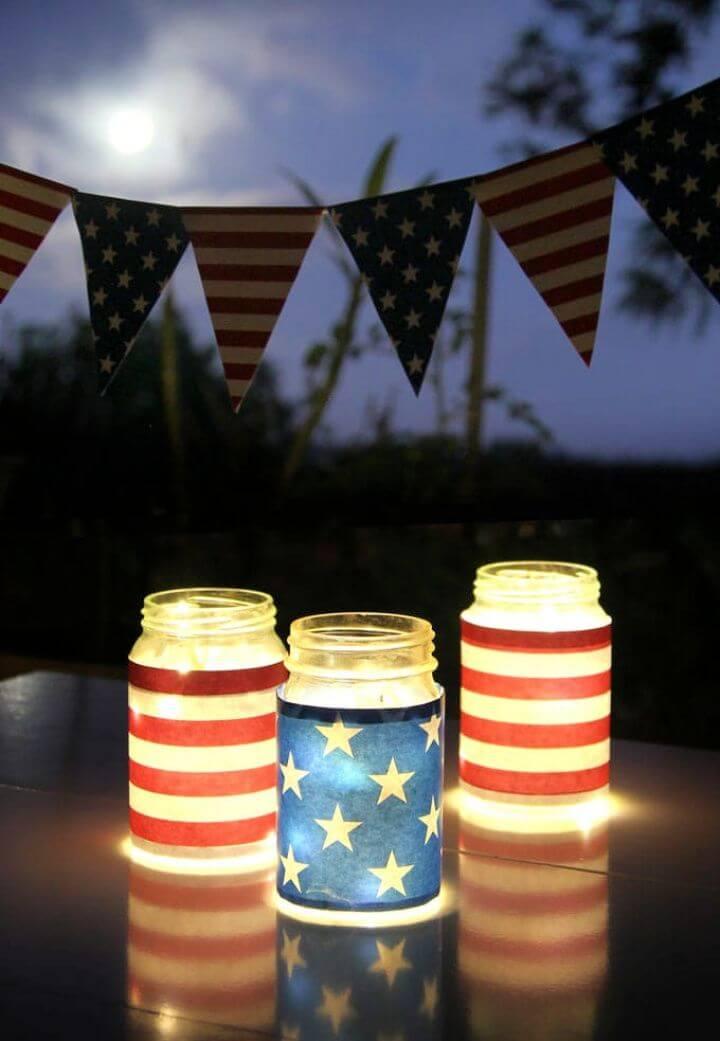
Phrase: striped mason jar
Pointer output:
(535, 685)
(202, 683)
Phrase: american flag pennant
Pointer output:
(131, 249)
(669, 159)
(553, 213)
(407, 247)
(29, 206)
(248, 260)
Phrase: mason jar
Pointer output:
(360, 766)
(535, 685)
(202, 686)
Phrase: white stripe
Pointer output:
(214, 759)
(36, 192)
(574, 236)
(525, 176)
(508, 876)
(534, 760)
(242, 355)
(215, 706)
(553, 206)
(574, 308)
(262, 256)
(234, 974)
(539, 928)
(584, 341)
(542, 802)
(540, 665)
(251, 222)
(203, 809)
(253, 290)
(7, 280)
(180, 921)
(573, 969)
(16, 219)
(15, 252)
(238, 387)
(538, 711)
(253, 322)
(561, 276)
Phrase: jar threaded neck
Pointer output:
(207, 612)
(534, 581)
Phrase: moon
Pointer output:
(131, 130)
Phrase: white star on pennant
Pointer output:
(109, 255)
(410, 274)
(432, 729)
(430, 820)
(290, 954)
(694, 105)
(690, 185)
(390, 961)
(99, 297)
(293, 869)
(124, 279)
(173, 243)
(710, 151)
(413, 319)
(678, 140)
(660, 173)
(386, 255)
(391, 876)
(712, 275)
(112, 211)
(435, 292)
(426, 200)
(379, 209)
(407, 228)
(149, 262)
(388, 301)
(360, 237)
(292, 776)
(140, 304)
(91, 229)
(670, 218)
(628, 162)
(433, 246)
(337, 829)
(131, 236)
(416, 365)
(645, 129)
(701, 229)
(392, 782)
(107, 364)
(153, 218)
(115, 322)
(716, 196)
(454, 218)
(454, 263)
(338, 736)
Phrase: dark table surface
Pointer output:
(608, 932)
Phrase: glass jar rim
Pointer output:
(359, 631)
(208, 610)
(536, 579)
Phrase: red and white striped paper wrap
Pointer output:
(202, 758)
(532, 937)
(535, 712)
(203, 946)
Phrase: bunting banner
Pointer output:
(29, 206)
(552, 211)
(248, 261)
(131, 249)
(669, 159)
(407, 247)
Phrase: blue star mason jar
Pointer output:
(360, 768)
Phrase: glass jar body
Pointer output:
(535, 686)
(202, 683)
(360, 747)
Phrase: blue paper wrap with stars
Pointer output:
(359, 805)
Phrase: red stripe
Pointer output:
(574, 850)
(553, 688)
(534, 735)
(573, 290)
(585, 323)
(201, 733)
(525, 640)
(290, 211)
(10, 266)
(203, 897)
(214, 833)
(249, 272)
(181, 948)
(564, 257)
(481, 897)
(563, 783)
(245, 304)
(21, 204)
(530, 950)
(22, 175)
(252, 239)
(30, 239)
(242, 337)
(558, 221)
(236, 371)
(545, 189)
(206, 682)
(230, 782)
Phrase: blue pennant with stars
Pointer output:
(407, 247)
(359, 805)
(131, 249)
(354, 983)
(669, 159)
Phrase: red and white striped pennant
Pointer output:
(553, 213)
(248, 259)
(28, 208)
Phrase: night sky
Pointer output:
(241, 92)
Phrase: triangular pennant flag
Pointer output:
(28, 208)
(131, 249)
(407, 246)
(553, 213)
(248, 259)
(669, 159)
